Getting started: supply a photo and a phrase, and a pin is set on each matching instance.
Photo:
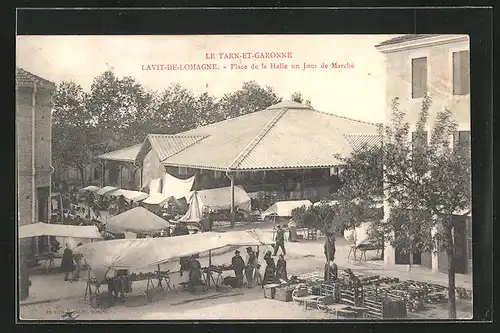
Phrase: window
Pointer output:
(419, 77)
(217, 174)
(183, 171)
(461, 73)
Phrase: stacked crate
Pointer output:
(351, 295)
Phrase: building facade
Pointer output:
(34, 141)
(439, 66)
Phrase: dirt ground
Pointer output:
(50, 296)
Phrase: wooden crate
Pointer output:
(374, 306)
(351, 296)
(331, 290)
(270, 291)
(136, 300)
(156, 294)
(283, 294)
(100, 301)
(199, 289)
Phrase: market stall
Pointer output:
(70, 234)
(217, 199)
(129, 195)
(137, 254)
(138, 220)
(106, 190)
(281, 211)
(90, 188)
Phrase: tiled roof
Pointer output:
(290, 136)
(358, 141)
(128, 154)
(404, 38)
(25, 77)
(169, 145)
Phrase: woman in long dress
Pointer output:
(270, 272)
(67, 262)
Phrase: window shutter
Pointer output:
(419, 77)
(461, 73)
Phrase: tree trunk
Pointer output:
(82, 175)
(450, 252)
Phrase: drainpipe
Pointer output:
(33, 170)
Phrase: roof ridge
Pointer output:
(348, 118)
(257, 138)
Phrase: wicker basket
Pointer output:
(283, 294)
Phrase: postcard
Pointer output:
(243, 177)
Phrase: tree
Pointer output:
(297, 97)
(250, 98)
(177, 110)
(425, 185)
(208, 109)
(71, 124)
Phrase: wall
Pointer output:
(24, 152)
(439, 83)
(440, 88)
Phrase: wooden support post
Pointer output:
(233, 213)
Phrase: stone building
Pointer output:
(437, 65)
(34, 140)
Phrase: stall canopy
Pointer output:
(142, 253)
(59, 230)
(284, 208)
(90, 188)
(129, 195)
(157, 199)
(359, 235)
(136, 220)
(215, 199)
(106, 190)
(177, 188)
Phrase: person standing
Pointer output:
(67, 262)
(194, 272)
(329, 247)
(78, 264)
(331, 271)
(238, 266)
(249, 271)
(270, 272)
(280, 240)
(281, 272)
(292, 226)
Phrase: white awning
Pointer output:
(106, 190)
(58, 230)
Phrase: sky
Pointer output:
(357, 92)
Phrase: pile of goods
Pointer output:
(145, 276)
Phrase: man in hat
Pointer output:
(250, 266)
(280, 240)
(329, 247)
(238, 266)
(67, 262)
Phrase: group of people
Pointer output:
(251, 269)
